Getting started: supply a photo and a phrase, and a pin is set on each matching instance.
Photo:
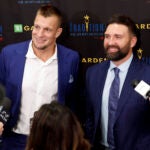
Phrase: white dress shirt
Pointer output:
(39, 86)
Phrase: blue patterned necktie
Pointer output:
(112, 107)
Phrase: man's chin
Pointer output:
(41, 48)
(113, 57)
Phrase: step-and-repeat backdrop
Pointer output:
(84, 24)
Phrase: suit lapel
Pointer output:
(20, 62)
(101, 74)
(127, 87)
(62, 68)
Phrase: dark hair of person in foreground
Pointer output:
(55, 127)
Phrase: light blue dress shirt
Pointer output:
(104, 110)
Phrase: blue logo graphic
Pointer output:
(87, 28)
(33, 1)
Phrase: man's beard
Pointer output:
(115, 56)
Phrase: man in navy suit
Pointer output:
(36, 72)
(131, 127)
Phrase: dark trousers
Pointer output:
(13, 141)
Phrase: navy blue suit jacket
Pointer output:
(12, 62)
(132, 123)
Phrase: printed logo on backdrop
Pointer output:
(144, 27)
(33, 1)
(20, 28)
(1, 33)
(86, 27)
(86, 24)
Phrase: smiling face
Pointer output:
(45, 32)
(118, 42)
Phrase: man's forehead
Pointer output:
(116, 29)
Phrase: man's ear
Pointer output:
(133, 41)
(59, 31)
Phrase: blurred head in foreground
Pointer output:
(55, 127)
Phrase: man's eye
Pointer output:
(106, 36)
(47, 30)
(36, 27)
(118, 36)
